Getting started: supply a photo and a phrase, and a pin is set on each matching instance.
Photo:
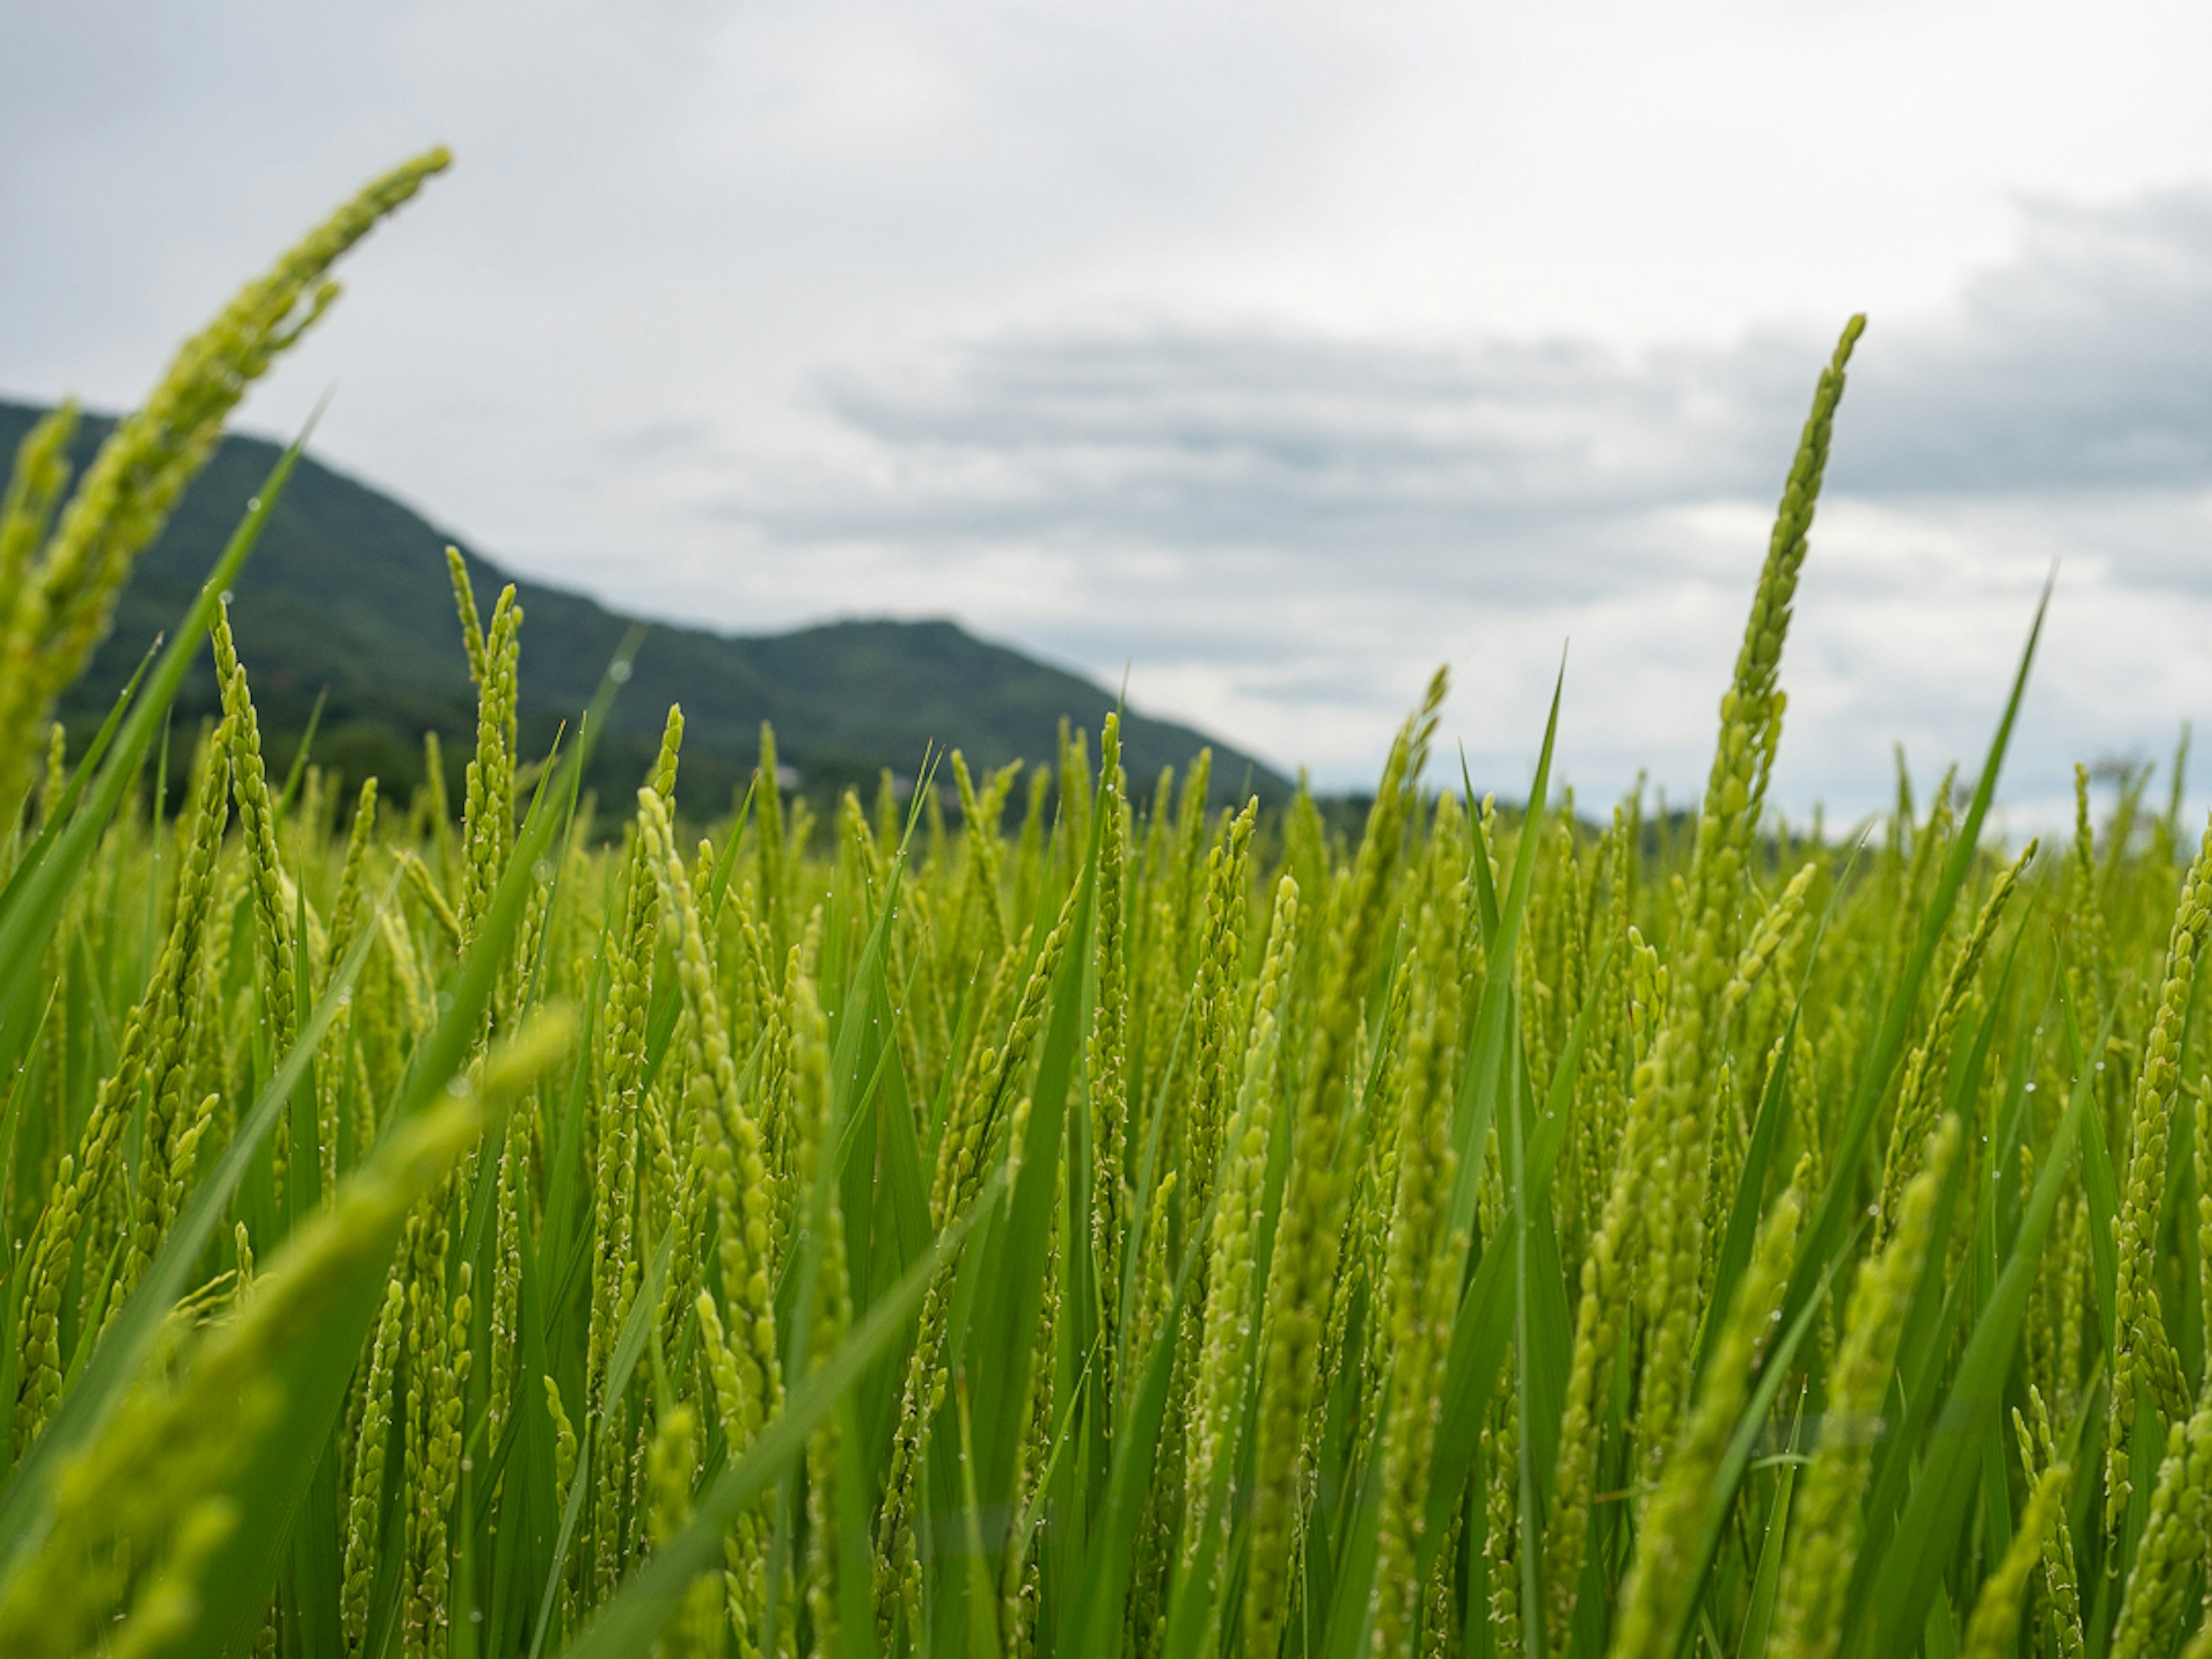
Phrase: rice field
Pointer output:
(535, 1224)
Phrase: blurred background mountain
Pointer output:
(347, 599)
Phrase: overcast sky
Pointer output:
(1277, 353)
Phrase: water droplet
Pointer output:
(254, 503)
(618, 672)
(457, 1086)
(2030, 1088)
(1874, 1209)
(226, 599)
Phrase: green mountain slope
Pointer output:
(348, 594)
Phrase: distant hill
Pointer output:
(348, 592)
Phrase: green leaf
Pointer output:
(123, 1351)
(1825, 1235)
(1944, 1484)
(33, 856)
(1005, 1332)
(29, 912)
(628, 1624)
(1097, 1620)
(1765, 1133)
(1759, 1619)
(629, 1346)
(1720, 1496)
(319, 1370)
(1486, 1075)
(2098, 1185)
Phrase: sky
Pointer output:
(1263, 356)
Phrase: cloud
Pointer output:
(1270, 359)
(650, 441)
(2084, 363)
(1287, 528)
(1313, 447)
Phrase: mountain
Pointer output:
(348, 597)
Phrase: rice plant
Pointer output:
(676, 1226)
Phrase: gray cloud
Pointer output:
(2084, 363)
(652, 441)
(1292, 527)
(1309, 448)
(2081, 369)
